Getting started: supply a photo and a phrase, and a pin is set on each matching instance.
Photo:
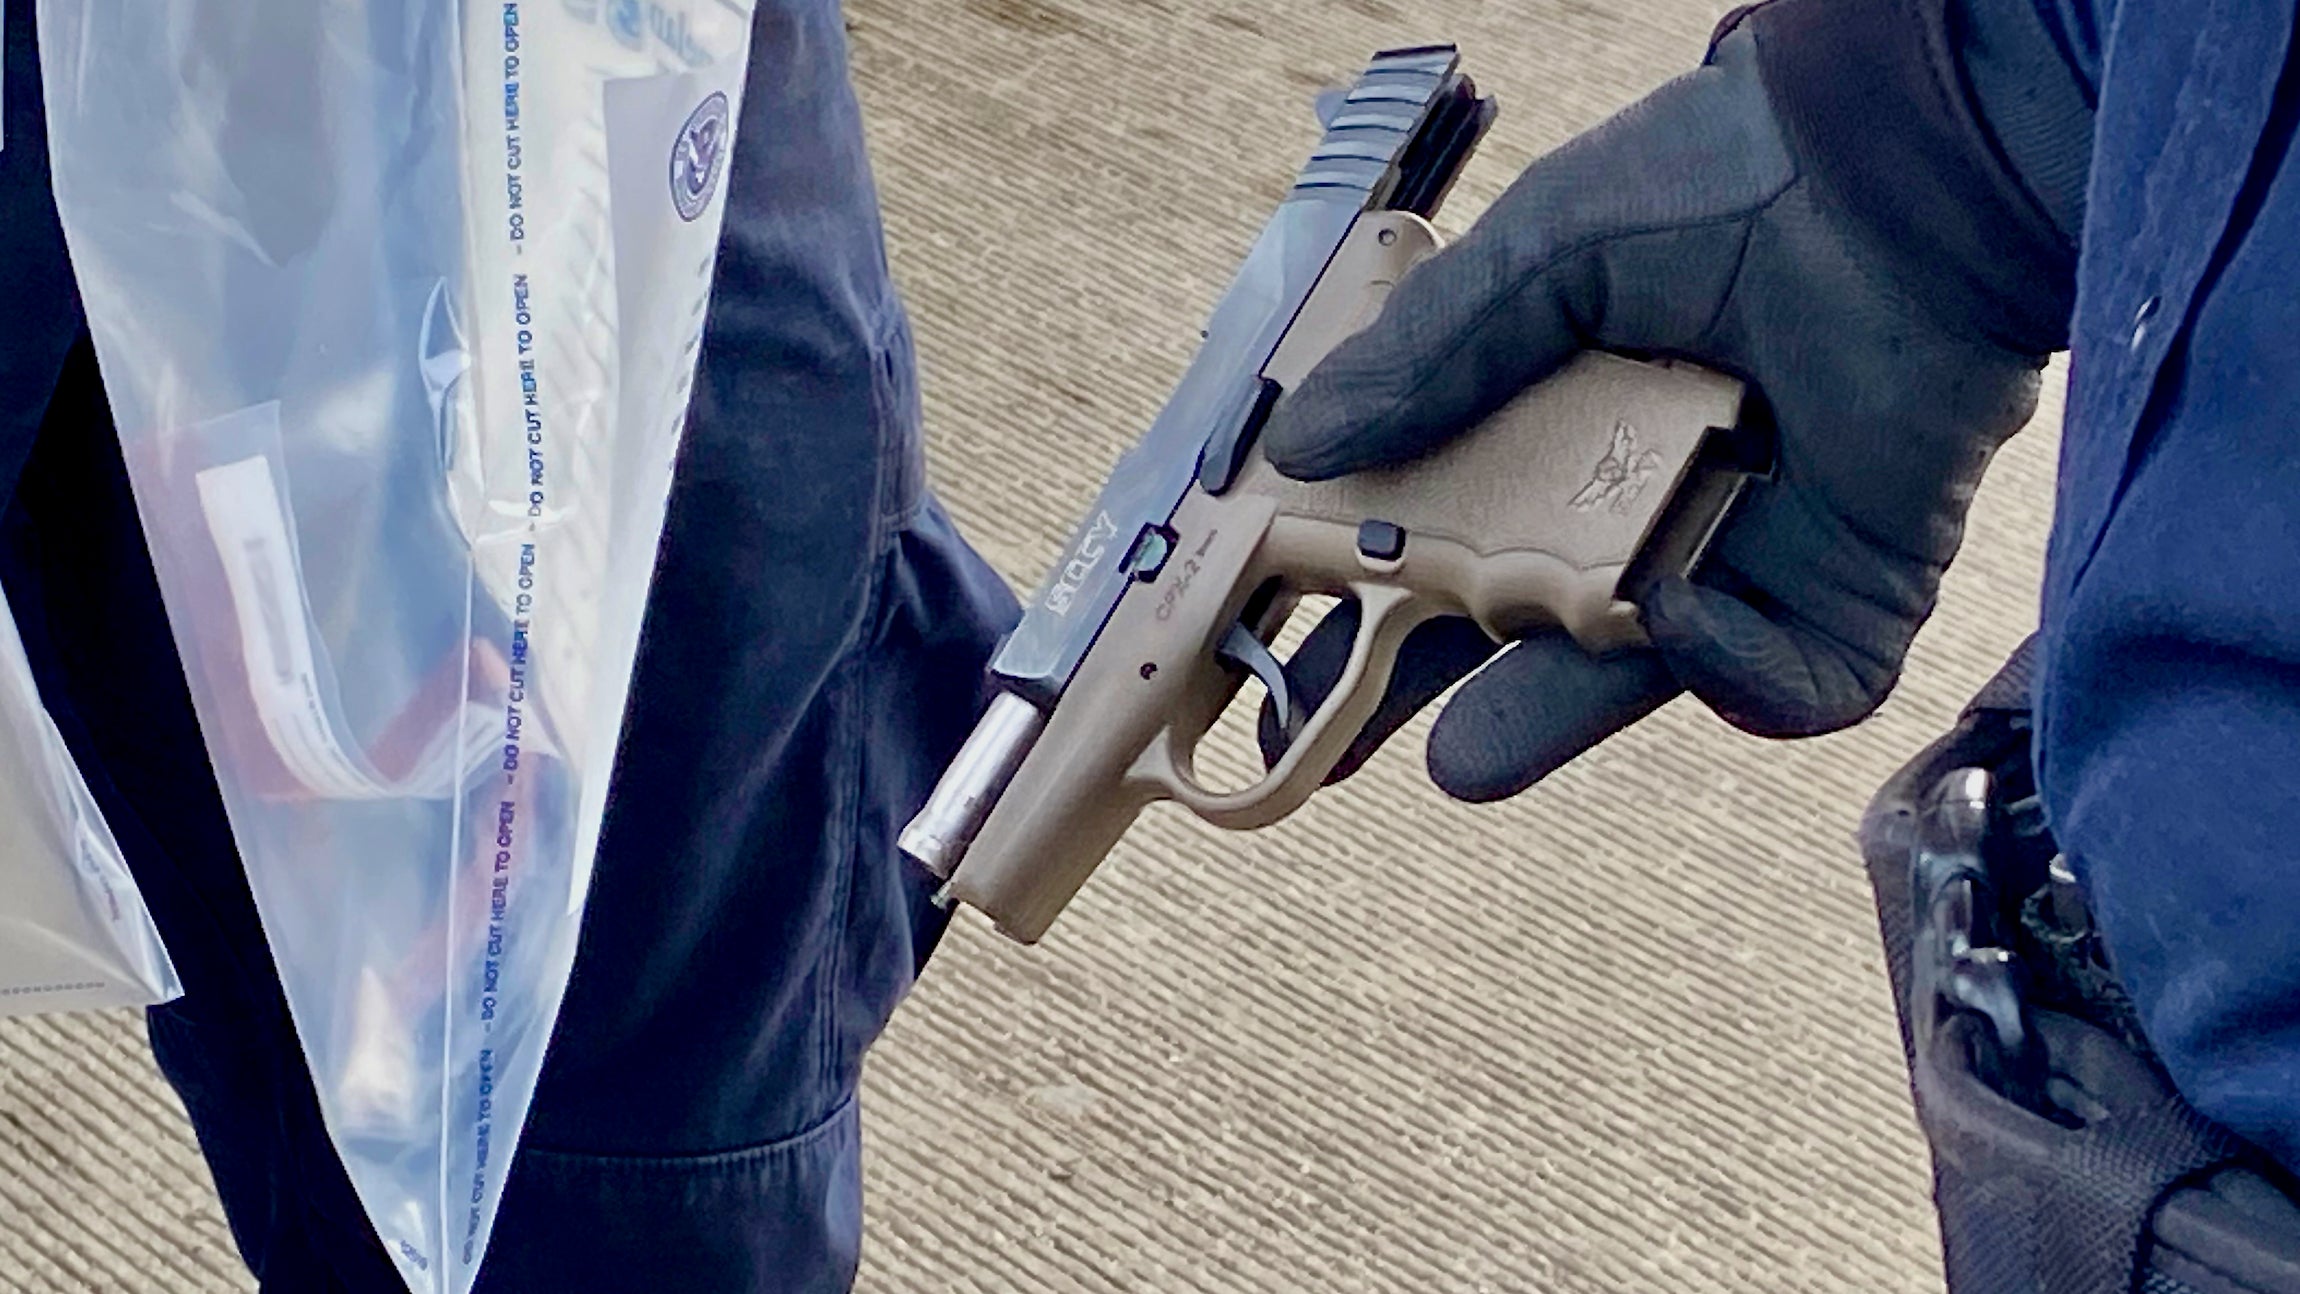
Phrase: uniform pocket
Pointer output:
(783, 1217)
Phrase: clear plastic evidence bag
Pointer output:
(398, 304)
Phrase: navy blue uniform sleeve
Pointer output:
(37, 298)
(1960, 130)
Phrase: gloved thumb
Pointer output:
(1628, 238)
(1449, 347)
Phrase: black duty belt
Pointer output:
(2063, 1160)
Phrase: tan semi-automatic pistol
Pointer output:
(1553, 512)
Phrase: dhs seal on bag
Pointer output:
(698, 156)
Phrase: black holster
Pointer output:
(2064, 1162)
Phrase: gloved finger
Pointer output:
(1535, 708)
(1628, 238)
(1435, 656)
(1765, 678)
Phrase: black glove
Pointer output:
(1696, 224)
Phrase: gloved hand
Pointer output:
(1690, 225)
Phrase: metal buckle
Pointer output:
(1963, 963)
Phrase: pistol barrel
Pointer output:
(939, 835)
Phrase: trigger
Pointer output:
(1241, 647)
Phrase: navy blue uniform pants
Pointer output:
(812, 654)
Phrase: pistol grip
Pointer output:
(1549, 513)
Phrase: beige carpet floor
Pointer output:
(1628, 1032)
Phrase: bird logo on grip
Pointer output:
(1620, 476)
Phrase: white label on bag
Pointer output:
(248, 521)
(242, 506)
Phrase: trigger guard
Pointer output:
(1388, 612)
